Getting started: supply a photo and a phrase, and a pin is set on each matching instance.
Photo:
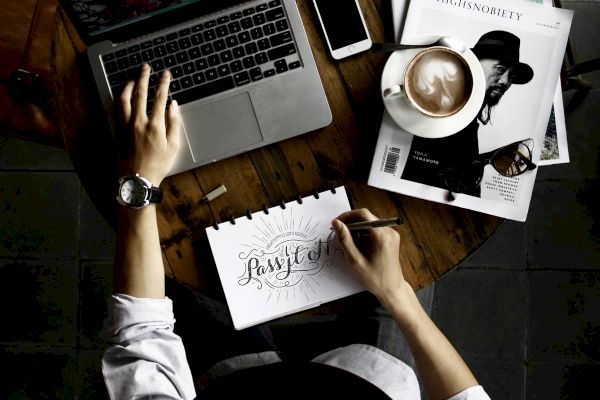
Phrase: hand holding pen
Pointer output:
(376, 259)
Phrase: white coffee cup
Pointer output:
(437, 82)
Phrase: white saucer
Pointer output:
(416, 122)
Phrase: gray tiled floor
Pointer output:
(524, 310)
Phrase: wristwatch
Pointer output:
(136, 191)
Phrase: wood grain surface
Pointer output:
(435, 237)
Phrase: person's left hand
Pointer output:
(153, 139)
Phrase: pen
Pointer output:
(355, 226)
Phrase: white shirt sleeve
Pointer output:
(145, 358)
(472, 393)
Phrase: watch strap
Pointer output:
(155, 194)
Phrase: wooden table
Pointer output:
(435, 237)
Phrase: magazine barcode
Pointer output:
(391, 161)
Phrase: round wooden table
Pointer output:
(435, 237)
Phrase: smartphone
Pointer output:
(344, 27)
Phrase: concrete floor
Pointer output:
(524, 310)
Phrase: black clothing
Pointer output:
(447, 162)
(289, 380)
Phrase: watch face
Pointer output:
(133, 192)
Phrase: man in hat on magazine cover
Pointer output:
(448, 162)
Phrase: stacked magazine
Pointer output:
(432, 169)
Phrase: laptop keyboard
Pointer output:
(210, 57)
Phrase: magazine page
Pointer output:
(458, 169)
(555, 149)
(399, 9)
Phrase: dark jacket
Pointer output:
(448, 163)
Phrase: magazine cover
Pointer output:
(520, 46)
(555, 149)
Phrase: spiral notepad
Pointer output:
(282, 260)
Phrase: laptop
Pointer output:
(243, 71)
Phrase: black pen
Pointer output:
(357, 226)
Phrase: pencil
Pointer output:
(355, 226)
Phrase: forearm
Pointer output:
(139, 268)
(441, 369)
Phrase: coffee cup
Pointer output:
(437, 82)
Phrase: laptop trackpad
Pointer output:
(222, 127)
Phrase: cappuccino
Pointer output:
(438, 82)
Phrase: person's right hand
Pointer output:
(376, 262)
(153, 140)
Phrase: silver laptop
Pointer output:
(243, 72)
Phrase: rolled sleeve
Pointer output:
(145, 358)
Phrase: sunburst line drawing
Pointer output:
(265, 234)
(308, 222)
(268, 226)
(325, 274)
(305, 291)
(307, 283)
(314, 229)
(260, 239)
(277, 224)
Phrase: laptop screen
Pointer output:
(99, 17)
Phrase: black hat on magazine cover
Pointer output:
(504, 46)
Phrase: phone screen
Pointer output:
(342, 22)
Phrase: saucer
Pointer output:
(412, 120)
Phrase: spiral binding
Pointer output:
(281, 204)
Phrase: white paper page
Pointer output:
(282, 262)
(399, 8)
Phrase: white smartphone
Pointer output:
(344, 27)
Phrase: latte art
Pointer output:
(433, 81)
(438, 82)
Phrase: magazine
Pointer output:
(440, 169)
(555, 148)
